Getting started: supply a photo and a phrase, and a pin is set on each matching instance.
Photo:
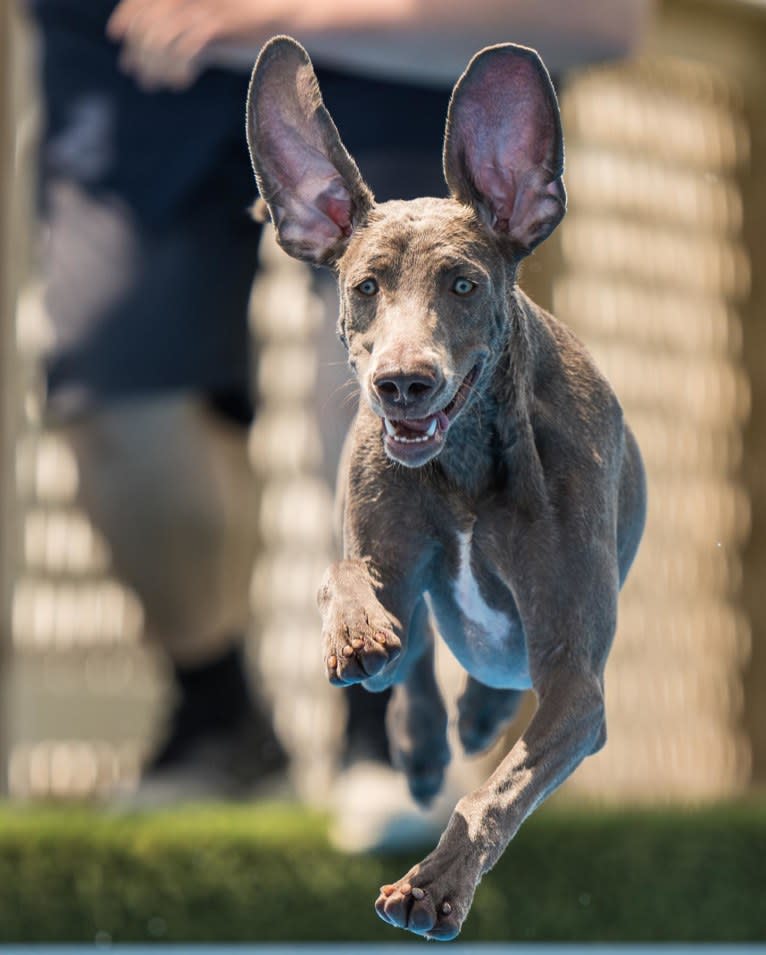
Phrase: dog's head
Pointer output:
(423, 284)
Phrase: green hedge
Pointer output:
(267, 874)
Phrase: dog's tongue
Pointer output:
(442, 421)
(417, 426)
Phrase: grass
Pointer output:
(267, 873)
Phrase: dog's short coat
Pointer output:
(492, 489)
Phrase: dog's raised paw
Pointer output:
(354, 653)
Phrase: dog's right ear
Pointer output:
(314, 191)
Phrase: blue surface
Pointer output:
(393, 949)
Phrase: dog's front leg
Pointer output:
(434, 897)
(570, 622)
(367, 600)
(363, 622)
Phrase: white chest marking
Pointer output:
(468, 596)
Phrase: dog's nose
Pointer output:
(404, 389)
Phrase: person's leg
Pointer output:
(148, 380)
(167, 481)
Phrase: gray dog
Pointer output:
(492, 489)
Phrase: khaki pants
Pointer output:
(167, 482)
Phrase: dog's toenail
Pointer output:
(405, 889)
(417, 893)
(386, 890)
(380, 637)
(332, 662)
(446, 908)
(357, 644)
(347, 651)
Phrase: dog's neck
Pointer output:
(485, 438)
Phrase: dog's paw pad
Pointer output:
(357, 657)
(424, 903)
(412, 907)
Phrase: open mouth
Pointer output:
(413, 437)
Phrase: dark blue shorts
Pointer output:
(137, 309)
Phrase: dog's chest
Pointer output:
(478, 619)
(467, 593)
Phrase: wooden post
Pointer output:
(16, 183)
(7, 302)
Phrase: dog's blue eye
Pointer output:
(463, 286)
(368, 287)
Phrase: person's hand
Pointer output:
(164, 42)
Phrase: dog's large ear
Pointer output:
(503, 148)
(314, 191)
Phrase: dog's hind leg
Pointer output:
(416, 718)
(483, 712)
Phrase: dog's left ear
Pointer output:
(503, 148)
(314, 192)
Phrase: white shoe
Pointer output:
(374, 811)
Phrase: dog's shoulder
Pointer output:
(573, 407)
(564, 373)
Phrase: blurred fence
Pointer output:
(653, 273)
(80, 694)
(652, 269)
(294, 445)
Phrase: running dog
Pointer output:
(492, 490)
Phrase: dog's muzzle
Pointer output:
(414, 441)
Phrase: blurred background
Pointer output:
(656, 267)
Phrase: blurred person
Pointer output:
(150, 258)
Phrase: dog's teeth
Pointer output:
(403, 439)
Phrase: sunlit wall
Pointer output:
(653, 273)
